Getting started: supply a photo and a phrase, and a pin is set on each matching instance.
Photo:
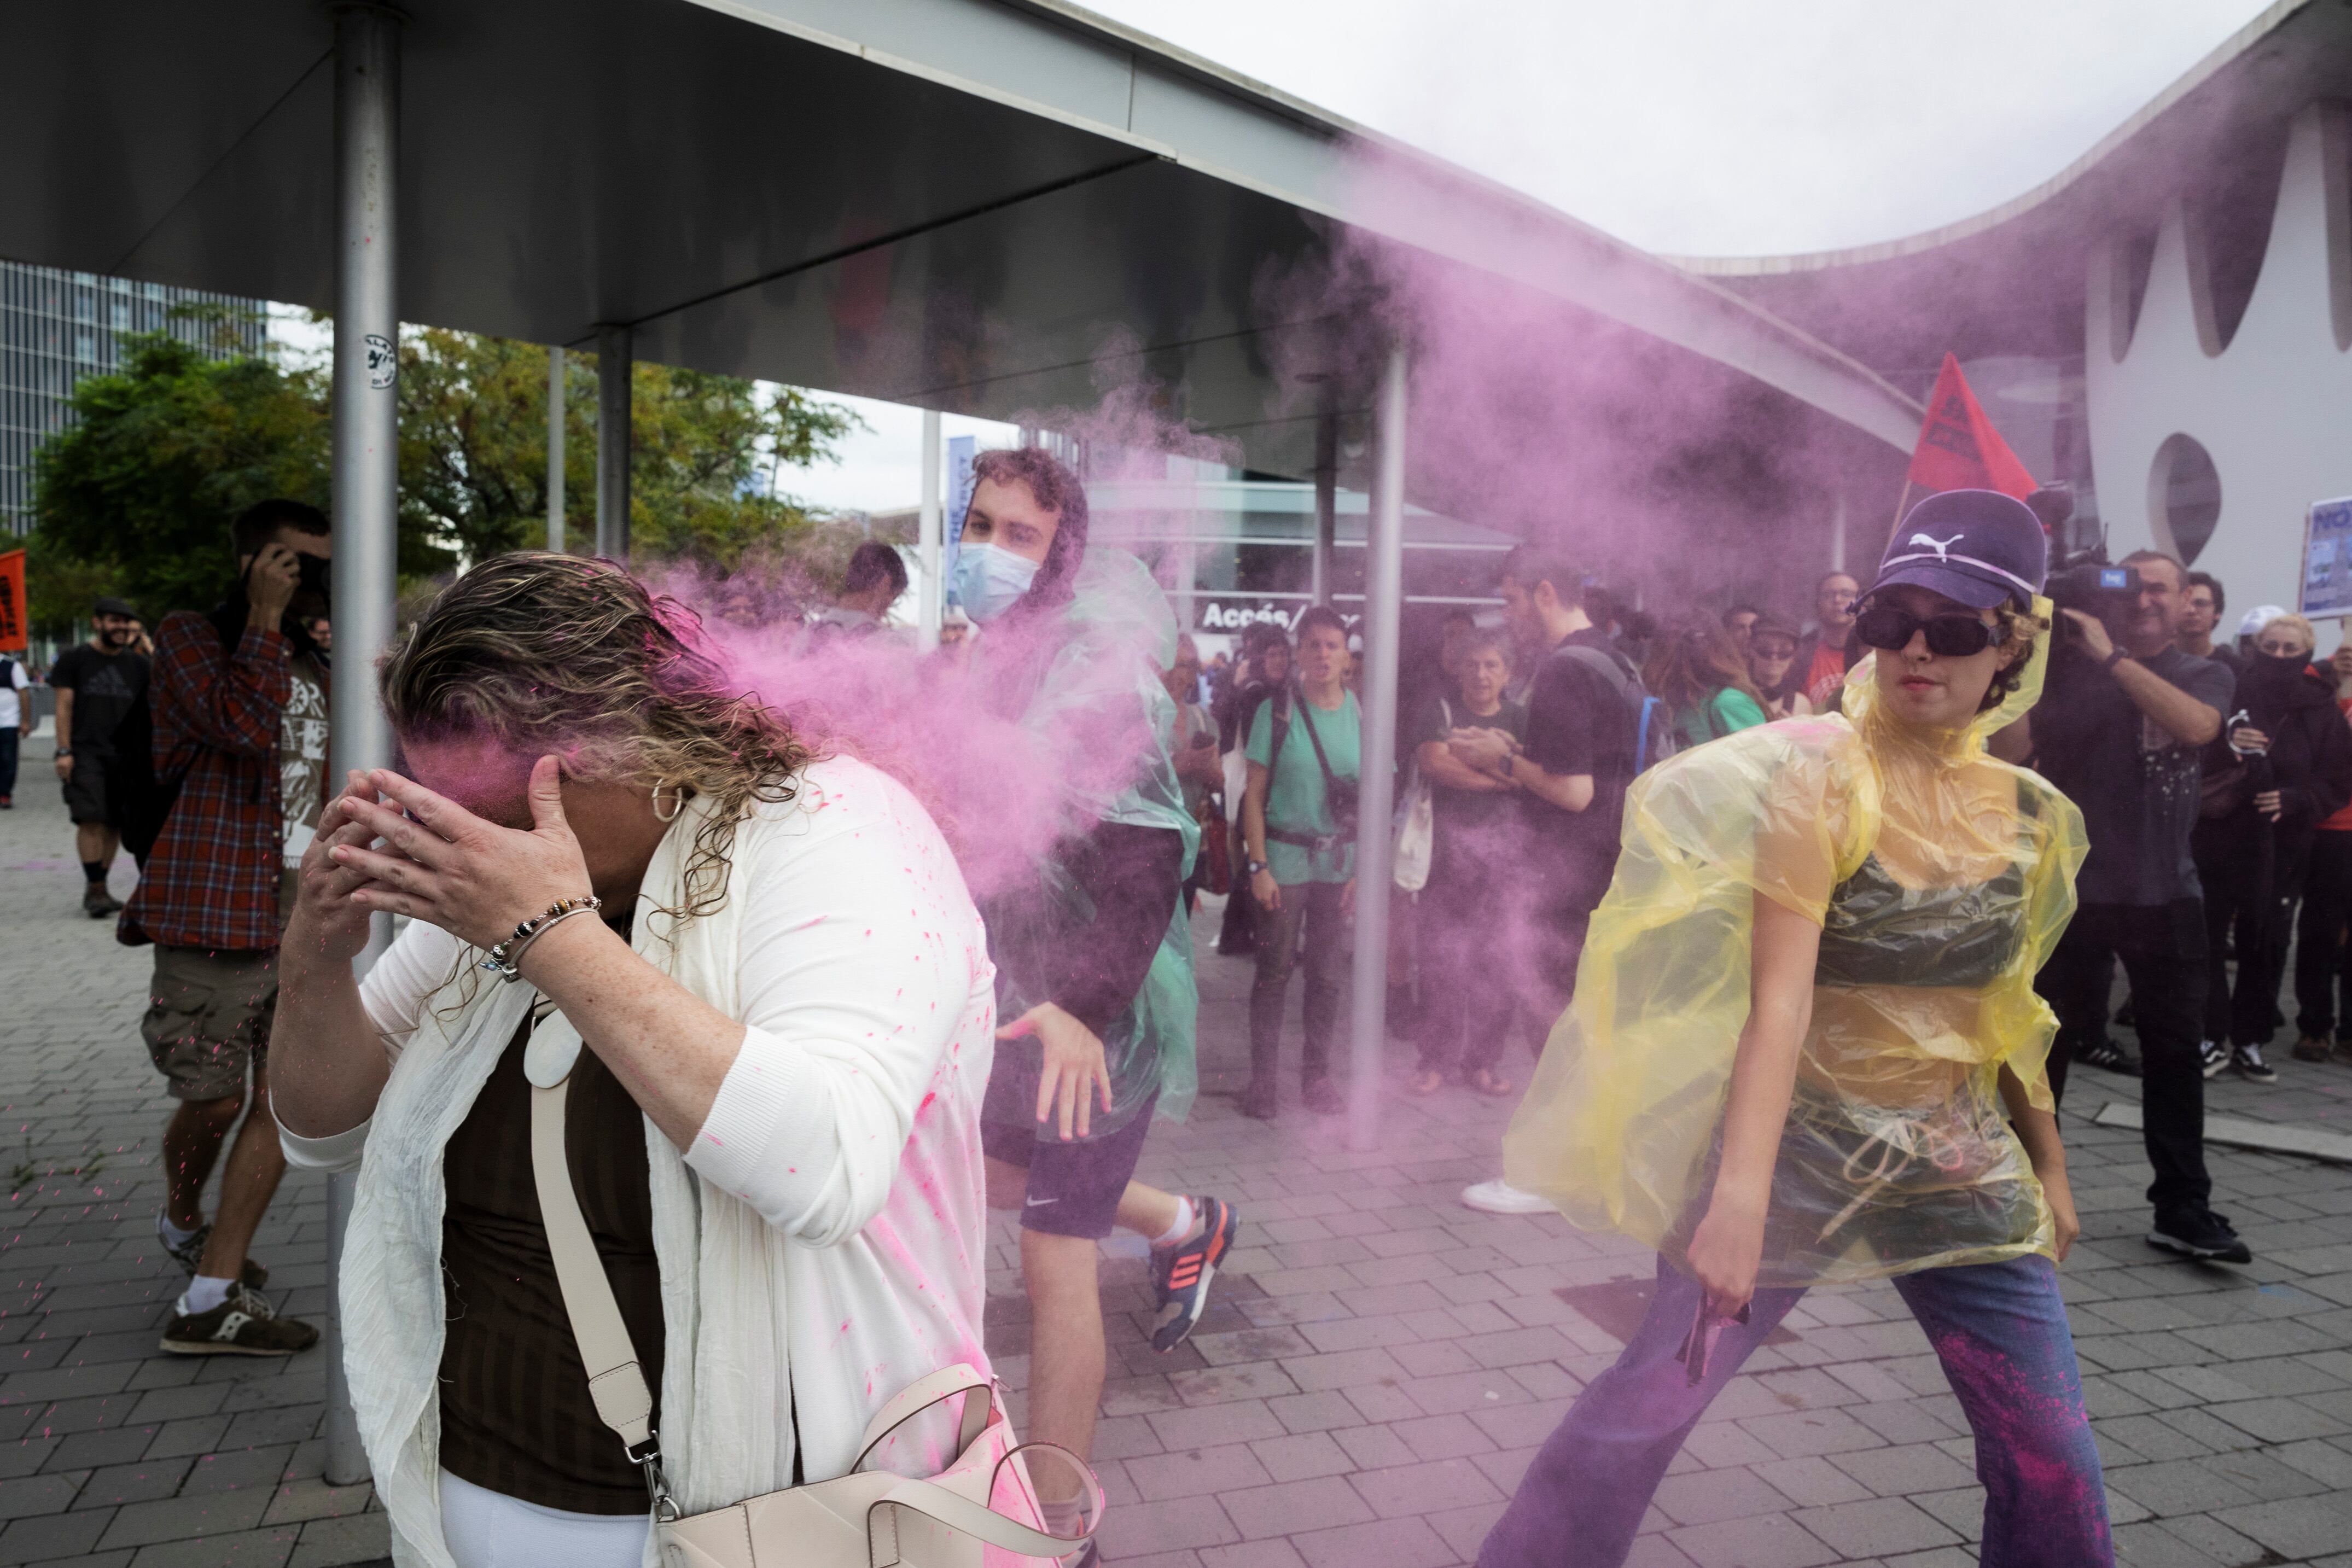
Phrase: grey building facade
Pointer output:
(56, 327)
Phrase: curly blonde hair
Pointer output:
(2020, 626)
(538, 651)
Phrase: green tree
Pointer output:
(705, 453)
(136, 496)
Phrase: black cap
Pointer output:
(114, 607)
(1978, 547)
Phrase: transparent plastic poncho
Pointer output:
(1114, 638)
(1942, 878)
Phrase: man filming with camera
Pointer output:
(2119, 729)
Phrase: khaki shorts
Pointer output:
(208, 1017)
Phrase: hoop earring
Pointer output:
(678, 802)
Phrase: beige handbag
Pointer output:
(989, 1497)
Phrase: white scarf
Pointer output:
(727, 1381)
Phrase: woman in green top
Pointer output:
(1697, 673)
(1302, 858)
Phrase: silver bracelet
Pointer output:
(512, 970)
(501, 960)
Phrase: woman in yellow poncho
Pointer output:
(1805, 1048)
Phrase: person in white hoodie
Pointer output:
(787, 1009)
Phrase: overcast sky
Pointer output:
(1724, 127)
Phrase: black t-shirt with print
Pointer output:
(105, 687)
(1577, 723)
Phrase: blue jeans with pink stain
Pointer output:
(1999, 1330)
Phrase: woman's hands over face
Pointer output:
(327, 918)
(442, 863)
(1073, 1065)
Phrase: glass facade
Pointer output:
(56, 327)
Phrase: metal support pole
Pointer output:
(613, 364)
(1837, 531)
(930, 540)
(366, 499)
(1327, 492)
(1376, 792)
(555, 536)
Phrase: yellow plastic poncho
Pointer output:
(1942, 878)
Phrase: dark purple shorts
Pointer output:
(1074, 1187)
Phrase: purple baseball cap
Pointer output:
(1978, 547)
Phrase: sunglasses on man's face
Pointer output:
(1764, 650)
(1891, 627)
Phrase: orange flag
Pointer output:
(13, 635)
(1958, 448)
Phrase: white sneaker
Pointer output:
(1499, 1196)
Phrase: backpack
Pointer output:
(1653, 736)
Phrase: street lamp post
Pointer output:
(1383, 625)
(366, 487)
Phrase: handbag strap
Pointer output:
(616, 1381)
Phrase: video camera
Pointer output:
(2082, 580)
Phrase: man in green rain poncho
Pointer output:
(1095, 988)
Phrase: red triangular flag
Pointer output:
(1958, 448)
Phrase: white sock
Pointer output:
(203, 1295)
(172, 1234)
(1179, 1231)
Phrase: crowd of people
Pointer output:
(1772, 904)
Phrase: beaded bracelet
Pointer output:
(502, 959)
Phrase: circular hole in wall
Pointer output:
(2184, 496)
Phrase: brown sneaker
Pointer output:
(244, 1324)
(98, 904)
(2309, 1049)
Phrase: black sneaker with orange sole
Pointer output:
(1182, 1272)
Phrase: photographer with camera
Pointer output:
(240, 734)
(2121, 729)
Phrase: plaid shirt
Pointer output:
(212, 878)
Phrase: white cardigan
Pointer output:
(826, 1248)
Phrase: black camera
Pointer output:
(2085, 580)
(317, 575)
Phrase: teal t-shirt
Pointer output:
(1295, 795)
(1728, 710)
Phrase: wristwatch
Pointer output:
(1253, 867)
(2112, 660)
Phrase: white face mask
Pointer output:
(989, 579)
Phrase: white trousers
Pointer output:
(486, 1529)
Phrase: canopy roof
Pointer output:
(2012, 280)
(987, 207)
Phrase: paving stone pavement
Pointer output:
(1377, 1367)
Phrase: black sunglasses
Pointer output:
(1949, 636)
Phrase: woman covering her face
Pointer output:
(767, 997)
(1805, 1048)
